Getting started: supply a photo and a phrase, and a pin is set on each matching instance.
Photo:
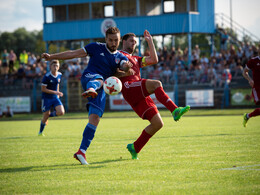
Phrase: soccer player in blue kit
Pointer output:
(51, 94)
(103, 63)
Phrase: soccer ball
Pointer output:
(112, 86)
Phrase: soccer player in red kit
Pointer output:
(137, 91)
(253, 65)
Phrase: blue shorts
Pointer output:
(94, 105)
(47, 103)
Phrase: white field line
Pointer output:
(243, 168)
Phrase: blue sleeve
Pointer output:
(45, 80)
(91, 48)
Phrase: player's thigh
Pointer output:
(57, 104)
(151, 85)
(134, 92)
(60, 110)
(46, 105)
(256, 95)
(146, 108)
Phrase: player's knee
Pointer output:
(157, 84)
(160, 124)
(60, 112)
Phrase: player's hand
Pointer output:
(251, 83)
(147, 35)
(131, 71)
(60, 94)
(126, 66)
(46, 56)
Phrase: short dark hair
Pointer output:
(127, 35)
(112, 30)
(54, 62)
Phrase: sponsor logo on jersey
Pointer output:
(51, 81)
(117, 60)
(58, 80)
(102, 54)
(258, 64)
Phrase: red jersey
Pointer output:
(137, 64)
(254, 65)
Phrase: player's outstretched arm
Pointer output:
(79, 53)
(247, 77)
(152, 58)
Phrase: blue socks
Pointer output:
(42, 127)
(88, 136)
(95, 84)
(52, 114)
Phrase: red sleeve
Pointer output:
(250, 64)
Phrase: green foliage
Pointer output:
(21, 39)
(197, 155)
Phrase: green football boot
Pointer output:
(41, 134)
(178, 112)
(131, 149)
(245, 119)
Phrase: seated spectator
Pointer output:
(29, 75)
(212, 76)
(238, 69)
(226, 77)
(8, 112)
(157, 73)
(166, 75)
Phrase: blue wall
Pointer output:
(202, 21)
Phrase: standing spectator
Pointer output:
(23, 58)
(224, 40)
(12, 58)
(31, 59)
(5, 63)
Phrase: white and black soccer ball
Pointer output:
(112, 86)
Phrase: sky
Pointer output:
(29, 14)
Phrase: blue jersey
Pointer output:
(102, 61)
(52, 83)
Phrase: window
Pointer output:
(49, 15)
(108, 10)
(169, 6)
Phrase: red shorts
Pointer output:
(139, 99)
(256, 95)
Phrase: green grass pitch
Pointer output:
(200, 154)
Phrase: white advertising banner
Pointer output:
(117, 102)
(17, 104)
(200, 98)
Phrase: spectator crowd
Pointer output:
(216, 69)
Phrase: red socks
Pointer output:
(256, 112)
(141, 141)
(164, 99)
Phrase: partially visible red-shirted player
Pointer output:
(254, 66)
(137, 91)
